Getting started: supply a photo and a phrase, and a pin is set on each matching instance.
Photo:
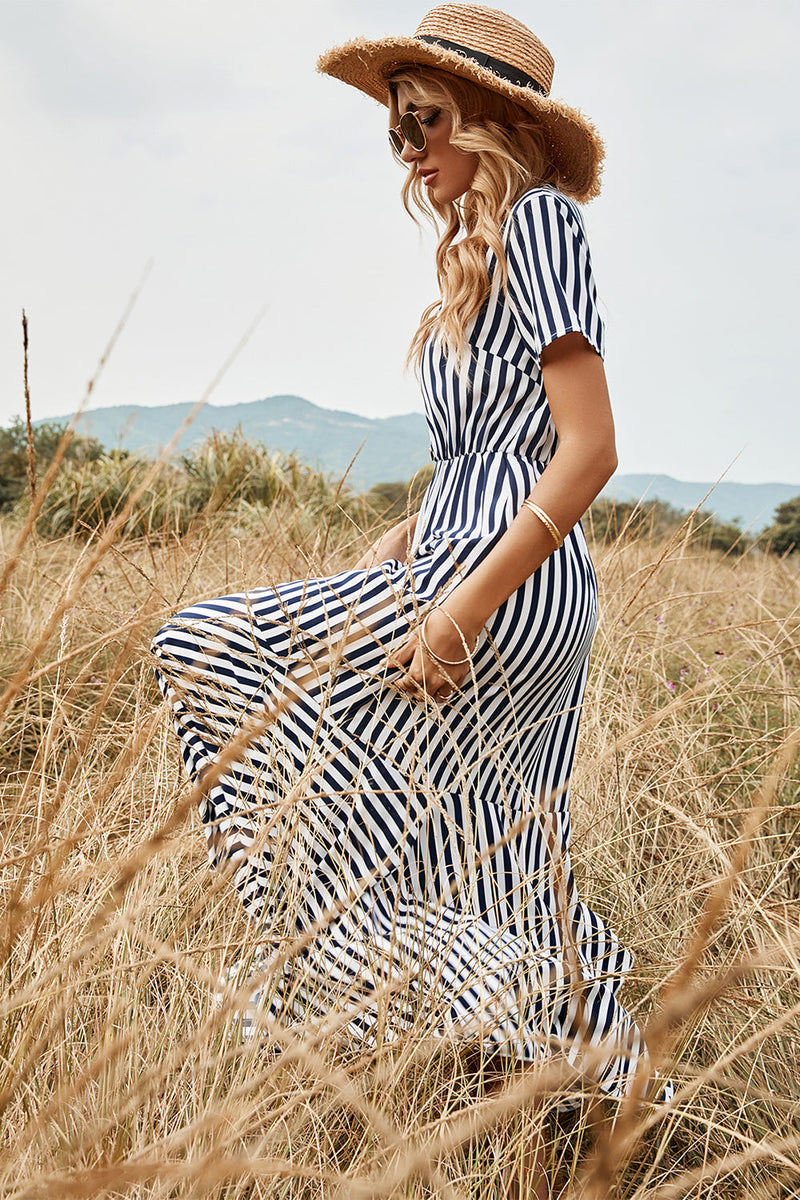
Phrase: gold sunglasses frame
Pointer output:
(398, 135)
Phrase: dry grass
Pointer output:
(118, 1076)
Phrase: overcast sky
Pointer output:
(195, 135)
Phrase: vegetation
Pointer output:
(118, 1074)
(392, 501)
(783, 535)
(239, 479)
(609, 520)
(227, 477)
(46, 439)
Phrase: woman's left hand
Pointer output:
(424, 678)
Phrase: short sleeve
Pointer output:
(551, 288)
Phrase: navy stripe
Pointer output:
(372, 824)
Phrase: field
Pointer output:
(119, 1076)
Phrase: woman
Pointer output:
(396, 799)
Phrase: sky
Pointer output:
(189, 149)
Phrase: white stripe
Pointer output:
(392, 830)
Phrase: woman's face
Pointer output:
(446, 171)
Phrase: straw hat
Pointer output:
(490, 48)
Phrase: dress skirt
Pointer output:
(415, 859)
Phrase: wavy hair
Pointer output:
(512, 157)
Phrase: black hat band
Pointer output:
(502, 69)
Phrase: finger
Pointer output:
(458, 677)
(416, 678)
(401, 655)
(413, 683)
(425, 675)
(411, 691)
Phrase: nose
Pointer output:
(409, 154)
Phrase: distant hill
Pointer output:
(395, 447)
(750, 504)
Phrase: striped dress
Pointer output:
(407, 868)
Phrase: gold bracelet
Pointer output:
(442, 662)
(548, 522)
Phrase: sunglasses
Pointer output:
(411, 130)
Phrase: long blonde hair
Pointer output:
(512, 157)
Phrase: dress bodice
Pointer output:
(493, 400)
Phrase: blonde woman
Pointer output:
(398, 801)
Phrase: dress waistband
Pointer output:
(479, 454)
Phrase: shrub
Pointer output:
(227, 468)
(85, 497)
(226, 477)
(46, 438)
(391, 501)
(607, 520)
(726, 536)
(783, 535)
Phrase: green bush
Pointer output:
(85, 497)
(783, 536)
(726, 536)
(607, 520)
(226, 477)
(46, 438)
(392, 501)
(228, 468)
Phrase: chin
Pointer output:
(445, 196)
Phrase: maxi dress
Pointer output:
(407, 866)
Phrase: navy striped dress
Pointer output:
(415, 861)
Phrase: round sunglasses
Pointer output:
(411, 129)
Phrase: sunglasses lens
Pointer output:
(396, 140)
(413, 131)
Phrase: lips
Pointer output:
(429, 175)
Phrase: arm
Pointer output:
(394, 543)
(575, 384)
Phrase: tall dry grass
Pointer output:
(119, 1076)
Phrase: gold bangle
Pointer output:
(442, 662)
(548, 522)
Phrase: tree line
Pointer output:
(228, 472)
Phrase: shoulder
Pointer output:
(549, 278)
(542, 211)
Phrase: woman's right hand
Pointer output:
(394, 543)
(425, 677)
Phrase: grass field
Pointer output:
(118, 1075)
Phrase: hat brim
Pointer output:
(575, 146)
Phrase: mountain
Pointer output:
(750, 504)
(394, 448)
